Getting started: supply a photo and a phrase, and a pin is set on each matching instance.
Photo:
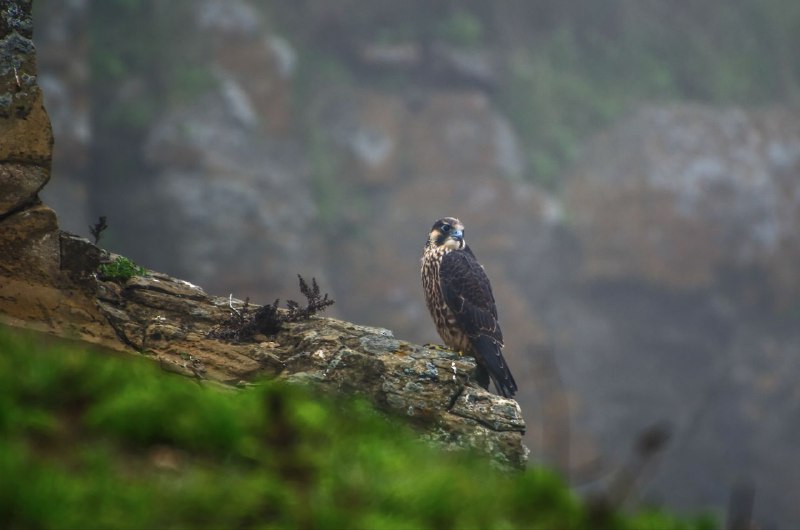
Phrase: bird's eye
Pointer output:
(445, 228)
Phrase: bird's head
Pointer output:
(447, 232)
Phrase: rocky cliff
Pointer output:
(49, 282)
(662, 275)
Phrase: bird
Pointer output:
(459, 297)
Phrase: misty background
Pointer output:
(628, 173)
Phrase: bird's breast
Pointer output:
(444, 319)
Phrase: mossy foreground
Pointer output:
(88, 440)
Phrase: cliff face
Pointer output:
(48, 282)
(29, 240)
(663, 275)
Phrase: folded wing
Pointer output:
(468, 294)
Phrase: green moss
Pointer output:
(91, 440)
(582, 72)
(120, 269)
(462, 28)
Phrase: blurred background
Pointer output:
(628, 172)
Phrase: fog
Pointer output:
(628, 173)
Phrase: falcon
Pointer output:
(460, 300)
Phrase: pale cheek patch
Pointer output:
(452, 244)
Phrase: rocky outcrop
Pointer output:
(666, 282)
(30, 273)
(687, 196)
(27, 140)
(170, 320)
(49, 282)
(680, 300)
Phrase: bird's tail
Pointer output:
(490, 355)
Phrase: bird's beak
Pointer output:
(458, 235)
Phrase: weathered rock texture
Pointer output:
(48, 282)
(170, 320)
(680, 300)
(25, 149)
(32, 285)
(687, 196)
(666, 288)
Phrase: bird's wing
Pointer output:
(468, 294)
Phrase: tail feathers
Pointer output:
(489, 355)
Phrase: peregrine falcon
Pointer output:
(460, 299)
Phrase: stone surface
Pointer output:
(678, 302)
(25, 134)
(19, 185)
(30, 244)
(28, 231)
(169, 320)
(680, 195)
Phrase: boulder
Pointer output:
(26, 139)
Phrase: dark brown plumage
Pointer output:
(459, 297)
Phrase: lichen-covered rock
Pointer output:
(29, 240)
(25, 135)
(30, 244)
(170, 320)
(19, 185)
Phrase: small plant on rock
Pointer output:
(120, 269)
(245, 323)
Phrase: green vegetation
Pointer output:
(568, 69)
(120, 269)
(89, 440)
(595, 61)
